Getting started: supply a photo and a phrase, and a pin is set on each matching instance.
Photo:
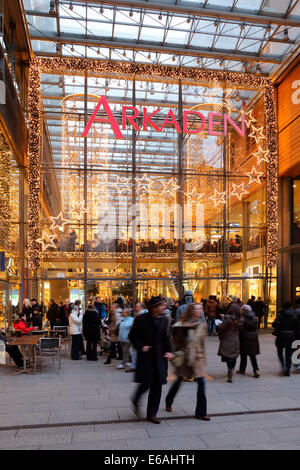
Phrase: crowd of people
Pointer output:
(145, 338)
(69, 242)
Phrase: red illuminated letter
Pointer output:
(212, 123)
(147, 119)
(130, 118)
(110, 119)
(228, 119)
(185, 120)
(173, 121)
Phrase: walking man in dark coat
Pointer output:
(149, 336)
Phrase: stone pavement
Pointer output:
(90, 391)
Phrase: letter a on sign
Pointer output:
(110, 118)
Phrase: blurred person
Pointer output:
(91, 331)
(149, 336)
(37, 318)
(113, 324)
(228, 331)
(285, 330)
(249, 344)
(12, 351)
(27, 309)
(188, 338)
(21, 325)
(100, 307)
(259, 309)
(53, 313)
(211, 312)
(75, 323)
(125, 326)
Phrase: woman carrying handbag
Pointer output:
(188, 337)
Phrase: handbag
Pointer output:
(178, 358)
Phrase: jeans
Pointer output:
(153, 397)
(201, 406)
(133, 353)
(125, 352)
(91, 350)
(287, 361)
(243, 364)
(211, 325)
(15, 354)
(75, 348)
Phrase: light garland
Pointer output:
(69, 65)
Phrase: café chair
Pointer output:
(49, 347)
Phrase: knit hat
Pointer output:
(155, 301)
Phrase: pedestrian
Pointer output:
(63, 319)
(53, 313)
(285, 329)
(228, 331)
(113, 323)
(75, 322)
(91, 331)
(251, 301)
(82, 348)
(249, 345)
(27, 309)
(100, 307)
(149, 336)
(140, 309)
(259, 309)
(37, 318)
(125, 326)
(211, 313)
(188, 338)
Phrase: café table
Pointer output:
(26, 341)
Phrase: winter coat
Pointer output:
(21, 326)
(37, 320)
(100, 307)
(229, 337)
(189, 337)
(62, 317)
(75, 322)
(211, 308)
(113, 325)
(152, 366)
(259, 307)
(248, 335)
(285, 326)
(28, 312)
(125, 326)
(52, 314)
(91, 325)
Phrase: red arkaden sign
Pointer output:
(211, 121)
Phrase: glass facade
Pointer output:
(159, 210)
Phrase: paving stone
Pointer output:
(56, 430)
(95, 445)
(36, 440)
(193, 429)
(166, 443)
(239, 438)
(63, 405)
(58, 416)
(21, 419)
(110, 435)
(288, 434)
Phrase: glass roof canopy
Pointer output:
(234, 35)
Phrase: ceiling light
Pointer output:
(131, 13)
(198, 60)
(71, 6)
(242, 26)
(188, 19)
(57, 49)
(269, 28)
(52, 8)
(101, 10)
(173, 58)
(286, 34)
(221, 63)
(98, 50)
(160, 16)
(149, 56)
(72, 48)
(237, 96)
(73, 81)
(124, 54)
(216, 23)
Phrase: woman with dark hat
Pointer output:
(149, 336)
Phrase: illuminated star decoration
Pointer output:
(239, 190)
(249, 119)
(254, 176)
(58, 222)
(78, 209)
(123, 184)
(218, 197)
(46, 241)
(143, 184)
(170, 186)
(261, 155)
(257, 134)
(193, 195)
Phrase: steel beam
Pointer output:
(238, 15)
(173, 50)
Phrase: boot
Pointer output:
(108, 361)
(229, 376)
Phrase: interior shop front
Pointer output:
(156, 183)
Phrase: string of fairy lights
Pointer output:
(266, 143)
